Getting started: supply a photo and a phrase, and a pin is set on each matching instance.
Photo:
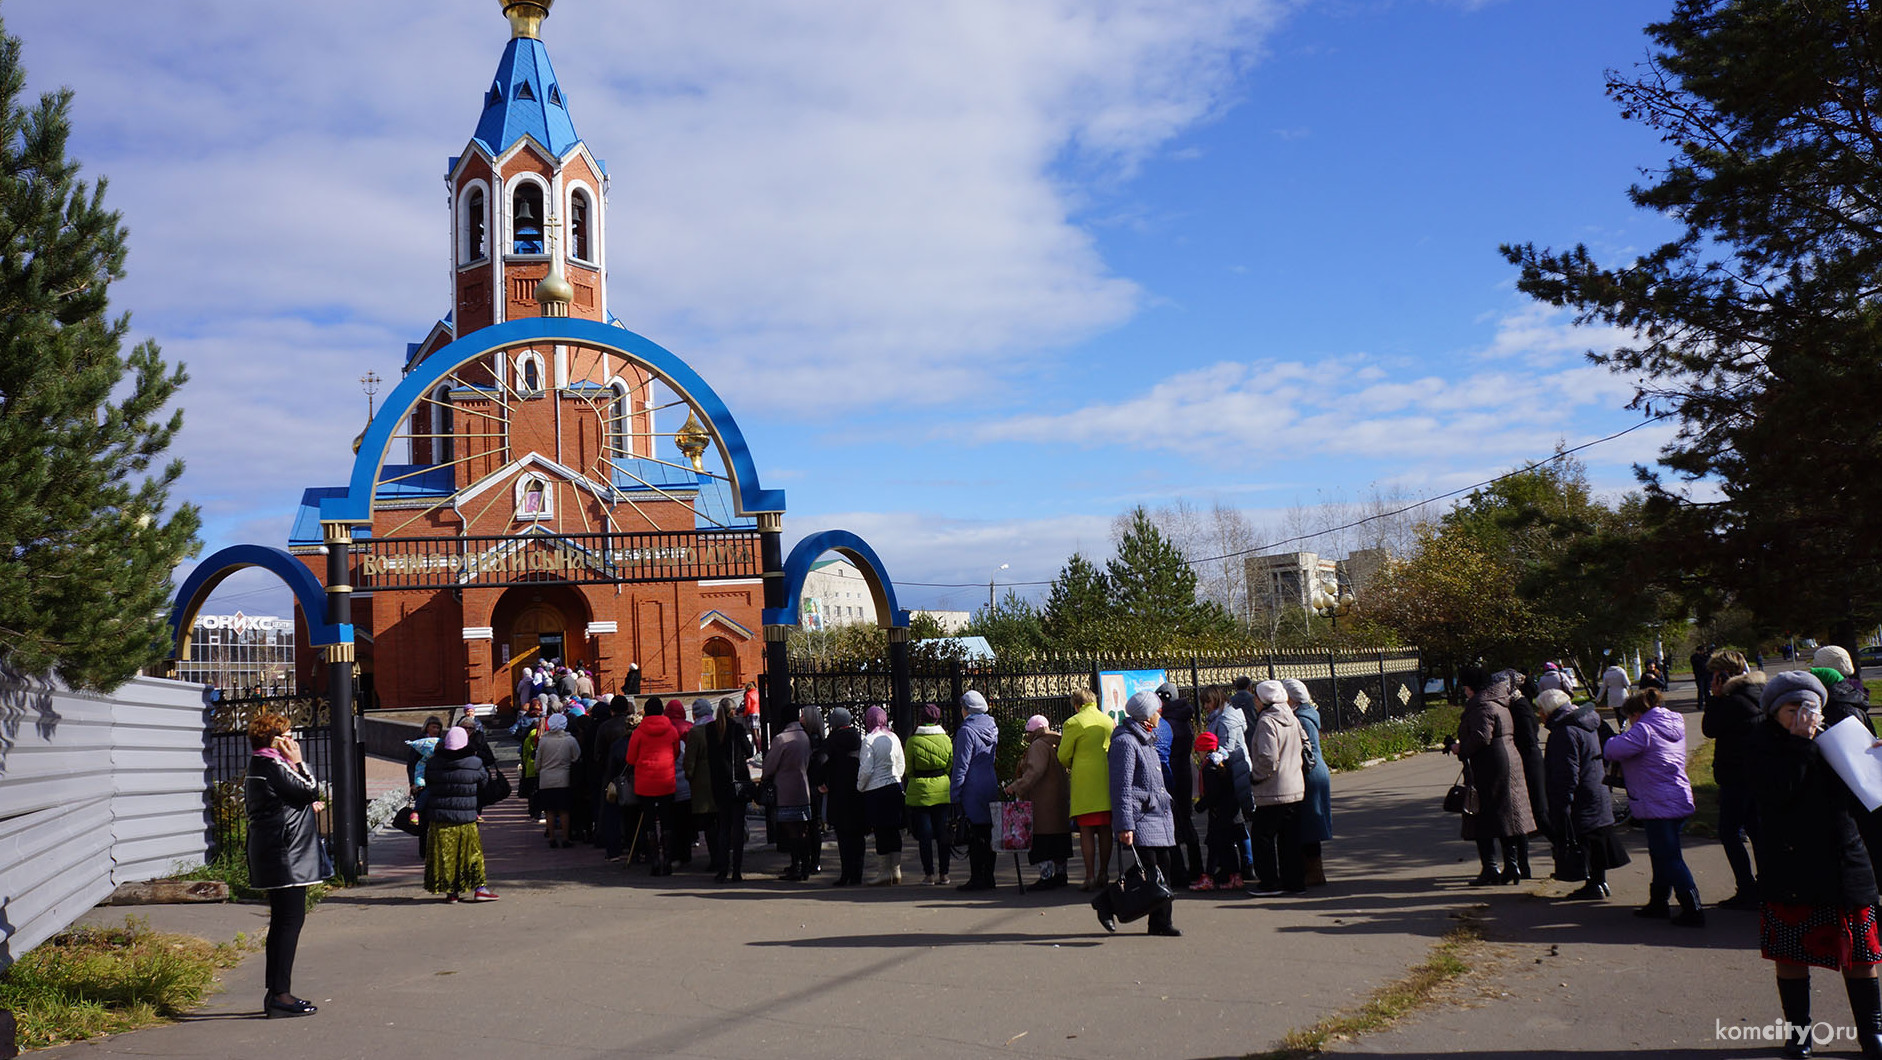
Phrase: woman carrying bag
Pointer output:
(1141, 811)
(281, 798)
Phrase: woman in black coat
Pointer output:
(1180, 715)
(834, 774)
(1579, 803)
(1816, 886)
(1527, 731)
(728, 757)
(280, 796)
(454, 862)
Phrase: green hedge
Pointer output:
(1352, 748)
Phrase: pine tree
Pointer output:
(85, 594)
(1155, 590)
(1079, 608)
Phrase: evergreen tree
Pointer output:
(1759, 324)
(86, 592)
(1014, 630)
(1155, 588)
(1078, 611)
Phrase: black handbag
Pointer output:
(495, 788)
(1461, 798)
(768, 793)
(1140, 891)
(406, 821)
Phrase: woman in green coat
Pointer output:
(1084, 750)
(930, 755)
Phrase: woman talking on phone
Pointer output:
(283, 850)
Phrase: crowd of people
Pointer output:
(1801, 847)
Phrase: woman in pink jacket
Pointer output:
(1652, 754)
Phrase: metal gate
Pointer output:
(226, 752)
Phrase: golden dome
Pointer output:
(526, 16)
(554, 290)
(691, 440)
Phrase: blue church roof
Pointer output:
(526, 100)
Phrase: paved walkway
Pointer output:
(584, 959)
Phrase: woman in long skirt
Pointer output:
(454, 863)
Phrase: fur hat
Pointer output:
(1271, 692)
(1835, 658)
(974, 702)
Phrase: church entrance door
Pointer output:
(718, 664)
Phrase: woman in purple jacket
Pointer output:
(1652, 754)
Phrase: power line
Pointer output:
(1433, 500)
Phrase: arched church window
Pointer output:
(578, 226)
(619, 446)
(443, 428)
(474, 214)
(533, 498)
(526, 219)
(532, 376)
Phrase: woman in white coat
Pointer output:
(879, 778)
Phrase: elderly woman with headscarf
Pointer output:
(1316, 808)
(1815, 880)
(972, 785)
(930, 756)
(880, 781)
(1043, 782)
(1279, 786)
(1494, 773)
(556, 755)
(787, 769)
(1142, 812)
(454, 862)
(1579, 804)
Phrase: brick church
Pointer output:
(530, 464)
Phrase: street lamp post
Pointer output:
(990, 577)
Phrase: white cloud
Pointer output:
(1355, 407)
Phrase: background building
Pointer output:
(249, 654)
(835, 594)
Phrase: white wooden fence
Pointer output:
(94, 791)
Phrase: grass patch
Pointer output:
(1874, 685)
(88, 982)
(1449, 959)
(1705, 792)
(1351, 748)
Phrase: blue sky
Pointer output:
(974, 276)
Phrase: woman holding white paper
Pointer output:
(1814, 876)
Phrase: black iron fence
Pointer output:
(226, 752)
(1352, 688)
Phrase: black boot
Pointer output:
(1865, 1007)
(1655, 909)
(1691, 913)
(1794, 995)
(1522, 856)
(1486, 854)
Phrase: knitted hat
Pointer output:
(702, 709)
(1552, 700)
(456, 739)
(1271, 692)
(1829, 675)
(1787, 686)
(1142, 705)
(655, 708)
(1037, 723)
(931, 714)
(1297, 690)
(1166, 691)
(1206, 742)
(556, 723)
(974, 702)
(1836, 659)
(839, 717)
